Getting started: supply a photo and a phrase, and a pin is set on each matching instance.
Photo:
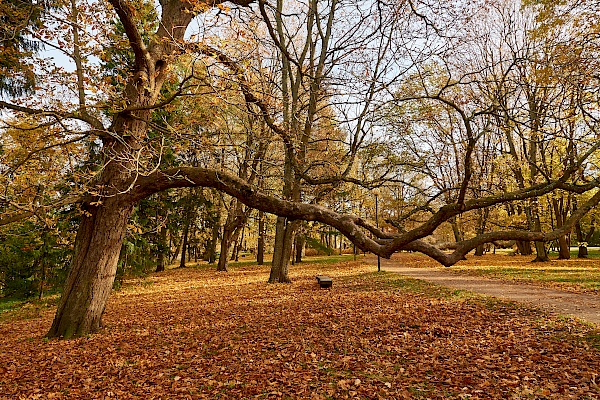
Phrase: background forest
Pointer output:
(135, 135)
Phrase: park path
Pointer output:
(580, 305)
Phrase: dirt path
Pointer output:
(583, 306)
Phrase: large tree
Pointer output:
(118, 118)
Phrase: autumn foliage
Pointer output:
(194, 333)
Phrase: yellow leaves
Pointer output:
(134, 229)
(223, 7)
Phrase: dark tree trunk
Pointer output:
(97, 247)
(524, 247)
(278, 250)
(162, 249)
(282, 251)
(564, 248)
(226, 241)
(236, 219)
(184, 242)
(300, 239)
(236, 248)
(456, 229)
(260, 251)
(212, 244)
(540, 247)
(581, 240)
(239, 243)
(479, 250)
(481, 223)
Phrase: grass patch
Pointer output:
(333, 259)
(11, 309)
(593, 339)
(10, 305)
(578, 274)
(417, 286)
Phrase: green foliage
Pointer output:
(32, 260)
(118, 58)
(317, 245)
(17, 77)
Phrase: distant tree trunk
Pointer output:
(260, 252)
(479, 250)
(212, 245)
(456, 229)
(540, 247)
(230, 237)
(226, 240)
(481, 223)
(184, 243)
(162, 249)
(236, 219)
(282, 251)
(300, 240)
(582, 242)
(43, 263)
(177, 249)
(239, 243)
(564, 248)
(211, 249)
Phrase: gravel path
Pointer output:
(583, 306)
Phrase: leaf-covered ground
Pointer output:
(195, 333)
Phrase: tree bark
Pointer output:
(162, 249)
(278, 251)
(300, 240)
(564, 249)
(184, 241)
(260, 251)
(540, 247)
(481, 223)
(97, 247)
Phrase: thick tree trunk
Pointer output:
(97, 247)
(479, 250)
(564, 250)
(283, 252)
(481, 223)
(228, 238)
(278, 250)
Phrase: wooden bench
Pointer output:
(325, 282)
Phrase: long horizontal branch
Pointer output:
(349, 225)
(358, 230)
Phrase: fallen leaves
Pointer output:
(196, 334)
